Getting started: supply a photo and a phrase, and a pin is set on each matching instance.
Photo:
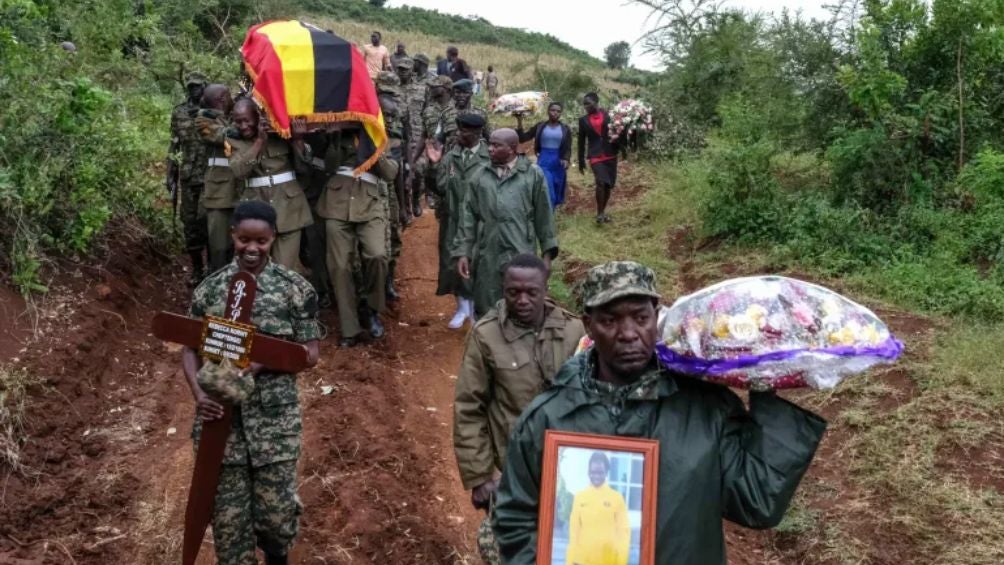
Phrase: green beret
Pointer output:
(471, 121)
(464, 84)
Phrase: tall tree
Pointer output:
(618, 54)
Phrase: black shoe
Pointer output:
(273, 559)
(392, 293)
(324, 300)
(376, 326)
(347, 342)
(416, 209)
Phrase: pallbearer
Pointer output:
(256, 503)
(267, 166)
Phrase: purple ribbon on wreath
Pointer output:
(889, 350)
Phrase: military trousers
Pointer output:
(193, 218)
(286, 249)
(313, 253)
(344, 240)
(221, 245)
(255, 507)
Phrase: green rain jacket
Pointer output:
(716, 459)
(499, 220)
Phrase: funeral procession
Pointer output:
(448, 282)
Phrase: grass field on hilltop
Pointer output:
(516, 69)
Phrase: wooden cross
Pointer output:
(232, 337)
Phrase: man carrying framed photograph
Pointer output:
(715, 459)
(511, 355)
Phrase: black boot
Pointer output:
(276, 559)
(198, 268)
(392, 293)
(376, 326)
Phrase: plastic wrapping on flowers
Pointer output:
(629, 116)
(530, 102)
(773, 332)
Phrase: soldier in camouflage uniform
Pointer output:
(256, 502)
(463, 91)
(414, 91)
(186, 166)
(437, 111)
(388, 87)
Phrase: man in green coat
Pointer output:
(716, 459)
(511, 355)
(507, 212)
(454, 173)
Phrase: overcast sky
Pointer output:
(607, 22)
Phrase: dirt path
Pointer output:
(110, 455)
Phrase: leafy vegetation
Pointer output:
(868, 145)
(618, 55)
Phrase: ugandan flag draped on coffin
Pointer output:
(300, 71)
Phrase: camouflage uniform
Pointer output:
(434, 116)
(219, 197)
(391, 102)
(416, 94)
(185, 140)
(256, 501)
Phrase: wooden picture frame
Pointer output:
(554, 442)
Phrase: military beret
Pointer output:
(471, 121)
(196, 78)
(441, 80)
(617, 279)
(404, 63)
(422, 58)
(464, 84)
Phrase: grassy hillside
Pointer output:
(452, 28)
(517, 69)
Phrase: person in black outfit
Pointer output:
(458, 69)
(594, 142)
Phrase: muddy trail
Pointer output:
(104, 474)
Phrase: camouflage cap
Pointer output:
(441, 80)
(225, 381)
(422, 58)
(387, 80)
(617, 279)
(404, 63)
(196, 78)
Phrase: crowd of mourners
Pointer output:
(252, 201)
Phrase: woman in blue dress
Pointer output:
(553, 146)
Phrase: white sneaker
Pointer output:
(469, 308)
(459, 318)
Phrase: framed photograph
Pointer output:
(597, 500)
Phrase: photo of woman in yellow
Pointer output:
(599, 531)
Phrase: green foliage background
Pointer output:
(868, 145)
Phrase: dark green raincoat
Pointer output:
(499, 220)
(716, 460)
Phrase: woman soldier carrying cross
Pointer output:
(256, 502)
